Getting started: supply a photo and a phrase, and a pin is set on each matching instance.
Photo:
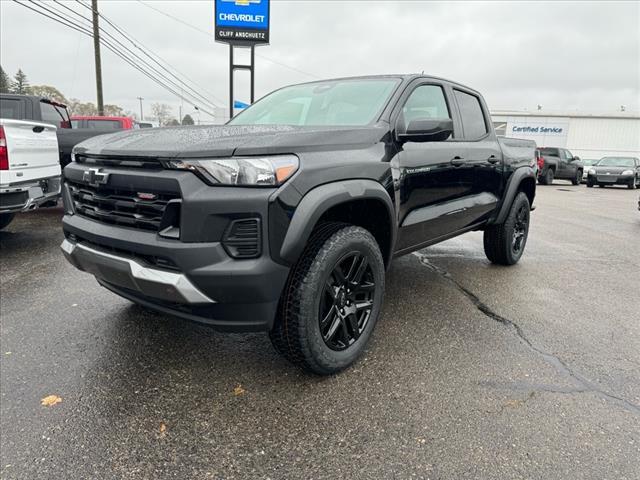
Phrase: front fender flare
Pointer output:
(316, 202)
(510, 191)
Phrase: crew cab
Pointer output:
(44, 110)
(105, 123)
(29, 167)
(285, 219)
(558, 163)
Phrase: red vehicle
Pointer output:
(102, 123)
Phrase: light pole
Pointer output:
(141, 115)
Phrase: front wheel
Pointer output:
(5, 219)
(632, 184)
(578, 178)
(332, 300)
(504, 243)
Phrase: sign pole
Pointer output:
(253, 66)
(231, 67)
(242, 23)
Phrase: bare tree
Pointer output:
(162, 112)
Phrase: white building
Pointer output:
(587, 136)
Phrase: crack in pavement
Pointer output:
(585, 386)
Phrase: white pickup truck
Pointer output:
(29, 167)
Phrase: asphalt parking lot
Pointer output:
(474, 371)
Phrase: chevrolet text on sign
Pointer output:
(242, 22)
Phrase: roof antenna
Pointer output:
(422, 72)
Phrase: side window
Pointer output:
(473, 121)
(426, 101)
(50, 114)
(11, 108)
(568, 154)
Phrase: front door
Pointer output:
(433, 176)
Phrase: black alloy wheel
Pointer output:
(347, 301)
(520, 228)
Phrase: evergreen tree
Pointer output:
(20, 84)
(5, 83)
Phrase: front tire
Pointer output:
(6, 219)
(332, 300)
(504, 243)
(632, 184)
(578, 178)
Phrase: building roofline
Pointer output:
(524, 113)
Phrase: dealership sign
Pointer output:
(537, 129)
(242, 22)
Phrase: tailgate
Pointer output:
(32, 149)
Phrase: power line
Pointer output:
(83, 30)
(199, 98)
(150, 54)
(208, 34)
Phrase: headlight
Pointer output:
(259, 171)
(627, 172)
(592, 171)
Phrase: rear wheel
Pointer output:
(5, 219)
(578, 178)
(547, 177)
(332, 300)
(504, 243)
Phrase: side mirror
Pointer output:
(576, 159)
(426, 130)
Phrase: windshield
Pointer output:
(588, 162)
(337, 102)
(616, 162)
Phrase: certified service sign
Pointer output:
(242, 22)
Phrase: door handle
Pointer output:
(37, 129)
(457, 161)
(493, 159)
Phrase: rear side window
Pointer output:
(426, 101)
(473, 121)
(50, 114)
(11, 108)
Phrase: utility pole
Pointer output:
(96, 50)
(141, 114)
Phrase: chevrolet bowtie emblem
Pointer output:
(95, 177)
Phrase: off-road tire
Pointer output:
(498, 239)
(5, 219)
(578, 179)
(296, 333)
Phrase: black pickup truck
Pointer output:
(38, 109)
(285, 219)
(558, 163)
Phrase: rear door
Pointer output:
(483, 163)
(431, 182)
(32, 150)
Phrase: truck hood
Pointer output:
(226, 140)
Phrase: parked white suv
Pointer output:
(29, 167)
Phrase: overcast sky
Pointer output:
(562, 55)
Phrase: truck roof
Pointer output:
(405, 77)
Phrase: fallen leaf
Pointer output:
(163, 429)
(238, 390)
(50, 400)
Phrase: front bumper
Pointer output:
(29, 195)
(191, 274)
(610, 179)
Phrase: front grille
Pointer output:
(607, 178)
(242, 238)
(120, 207)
